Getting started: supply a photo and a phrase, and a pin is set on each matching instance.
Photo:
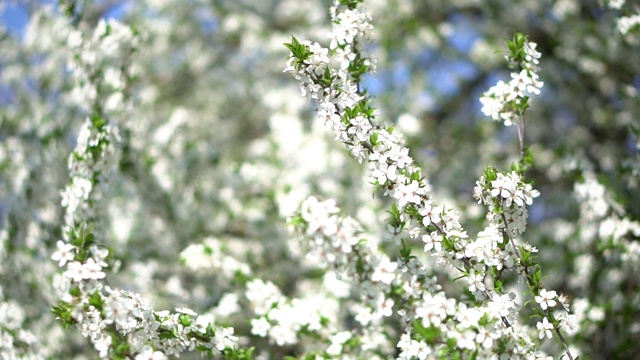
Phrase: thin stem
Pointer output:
(486, 293)
(530, 283)
(511, 240)
(521, 131)
(564, 343)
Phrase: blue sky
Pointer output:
(15, 18)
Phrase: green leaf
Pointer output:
(405, 253)
(537, 276)
(241, 278)
(98, 121)
(293, 45)
(299, 51)
(96, 300)
(490, 174)
(238, 354)
(430, 334)
(166, 335)
(63, 312)
(394, 212)
(415, 176)
(185, 319)
(474, 355)
(373, 139)
(526, 255)
(296, 220)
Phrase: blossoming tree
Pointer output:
(167, 192)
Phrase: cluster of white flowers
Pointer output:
(95, 153)
(341, 248)
(616, 4)
(605, 221)
(627, 23)
(372, 274)
(144, 329)
(390, 161)
(205, 180)
(15, 341)
(403, 287)
(350, 33)
(505, 101)
(97, 64)
(208, 256)
(341, 107)
(285, 321)
(107, 316)
(506, 197)
(592, 196)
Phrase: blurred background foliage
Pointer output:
(218, 143)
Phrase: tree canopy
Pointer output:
(166, 190)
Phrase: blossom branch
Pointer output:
(341, 107)
(119, 323)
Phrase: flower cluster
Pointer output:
(506, 101)
(208, 256)
(505, 195)
(403, 287)
(176, 191)
(98, 65)
(627, 24)
(118, 322)
(350, 33)
(15, 342)
(342, 108)
(286, 321)
(604, 223)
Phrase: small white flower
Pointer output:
(393, 233)
(564, 301)
(260, 326)
(385, 272)
(569, 323)
(74, 271)
(92, 270)
(408, 193)
(546, 299)
(486, 337)
(476, 281)
(186, 311)
(64, 253)
(432, 241)
(103, 344)
(545, 328)
(531, 54)
(337, 341)
(147, 353)
(419, 349)
(401, 157)
(224, 338)
(384, 307)
(415, 232)
(358, 152)
(432, 214)
(404, 344)
(385, 172)
(345, 56)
